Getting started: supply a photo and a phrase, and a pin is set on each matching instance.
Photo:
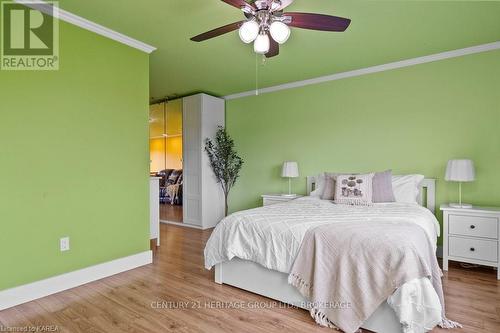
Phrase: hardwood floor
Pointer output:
(172, 213)
(160, 297)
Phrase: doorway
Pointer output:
(165, 150)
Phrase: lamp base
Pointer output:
(289, 195)
(463, 205)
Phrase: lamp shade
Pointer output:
(290, 169)
(460, 171)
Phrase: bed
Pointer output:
(247, 271)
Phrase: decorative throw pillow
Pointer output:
(329, 187)
(354, 189)
(382, 187)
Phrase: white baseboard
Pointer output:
(181, 224)
(31, 291)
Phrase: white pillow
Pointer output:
(325, 186)
(407, 187)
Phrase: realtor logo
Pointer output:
(29, 35)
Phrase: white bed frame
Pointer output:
(255, 278)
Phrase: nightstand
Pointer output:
(271, 199)
(471, 235)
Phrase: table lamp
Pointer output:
(290, 170)
(460, 171)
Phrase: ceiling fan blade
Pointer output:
(217, 31)
(284, 4)
(239, 3)
(318, 21)
(274, 48)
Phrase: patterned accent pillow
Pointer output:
(354, 189)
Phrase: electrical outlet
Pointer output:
(64, 244)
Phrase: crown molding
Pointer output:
(371, 70)
(83, 23)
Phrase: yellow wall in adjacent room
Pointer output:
(165, 132)
(157, 153)
(174, 152)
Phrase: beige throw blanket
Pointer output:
(347, 270)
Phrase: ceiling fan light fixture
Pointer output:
(280, 32)
(267, 25)
(261, 44)
(249, 31)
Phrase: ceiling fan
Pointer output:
(268, 26)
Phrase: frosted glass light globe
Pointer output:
(279, 31)
(249, 31)
(261, 44)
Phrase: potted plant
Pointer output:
(224, 160)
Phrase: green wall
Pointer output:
(74, 159)
(411, 120)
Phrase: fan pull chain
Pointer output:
(256, 74)
(257, 71)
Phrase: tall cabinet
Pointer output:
(203, 199)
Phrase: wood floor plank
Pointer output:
(171, 213)
(147, 299)
(13, 317)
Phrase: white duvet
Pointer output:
(272, 235)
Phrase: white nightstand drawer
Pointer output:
(471, 235)
(479, 249)
(272, 199)
(268, 202)
(475, 226)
